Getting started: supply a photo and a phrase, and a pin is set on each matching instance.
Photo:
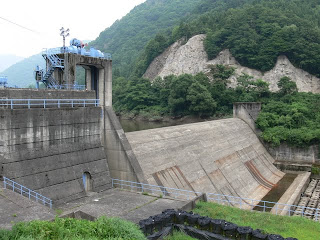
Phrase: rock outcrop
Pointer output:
(192, 58)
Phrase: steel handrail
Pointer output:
(223, 198)
(48, 102)
(30, 193)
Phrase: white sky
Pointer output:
(85, 19)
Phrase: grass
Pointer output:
(69, 229)
(297, 227)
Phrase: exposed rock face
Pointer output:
(192, 58)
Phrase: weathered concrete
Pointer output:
(286, 157)
(16, 208)
(223, 156)
(248, 112)
(48, 150)
(98, 74)
(122, 161)
(293, 193)
(124, 204)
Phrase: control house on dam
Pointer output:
(51, 138)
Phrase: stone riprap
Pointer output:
(310, 201)
(48, 150)
(192, 58)
(222, 156)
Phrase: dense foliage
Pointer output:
(256, 32)
(127, 37)
(61, 228)
(177, 95)
(294, 119)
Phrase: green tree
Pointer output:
(201, 102)
(286, 86)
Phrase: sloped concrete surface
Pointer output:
(16, 208)
(127, 205)
(222, 156)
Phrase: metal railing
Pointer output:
(154, 189)
(24, 191)
(47, 103)
(242, 203)
(60, 50)
(265, 206)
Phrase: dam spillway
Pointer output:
(222, 156)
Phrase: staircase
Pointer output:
(54, 62)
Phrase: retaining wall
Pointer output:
(48, 150)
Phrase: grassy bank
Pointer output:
(285, 226)
(61, 228)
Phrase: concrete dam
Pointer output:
(50, 149)
(222, 156)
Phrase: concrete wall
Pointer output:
(122, 161)
(223, 156)
(48, 150)
(248, 112)
(286, 157)
(21, 93)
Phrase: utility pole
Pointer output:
(64, 34)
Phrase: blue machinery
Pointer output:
(53, 62)
(3, 81)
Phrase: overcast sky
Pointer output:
(85, 19)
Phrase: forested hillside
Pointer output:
(127, 37)
(256, 32)
(21, 74)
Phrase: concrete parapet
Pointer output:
(121, 159)
(192, 204)
(248, 112)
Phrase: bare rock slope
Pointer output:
(192, 58)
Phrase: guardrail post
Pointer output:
(264, 206)
(84, 103)
(11, 103)
(5, 182)
(141, 187)
(72, 103)
(21, 189)
(58, 103)
(44, 103)
(29, 104)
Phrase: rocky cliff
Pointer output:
(192, 58)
